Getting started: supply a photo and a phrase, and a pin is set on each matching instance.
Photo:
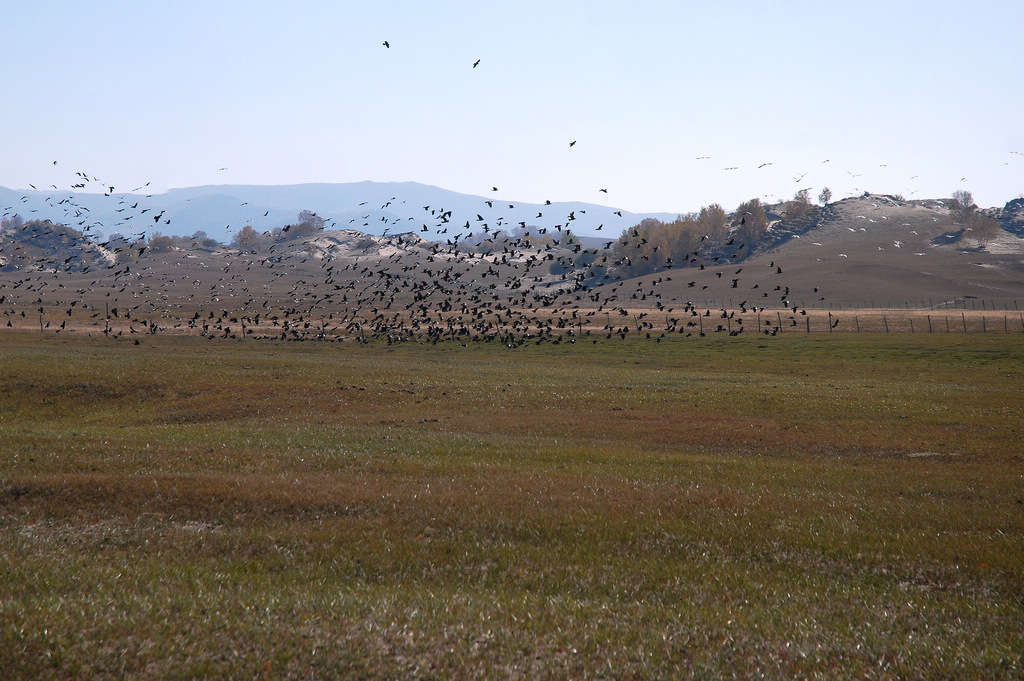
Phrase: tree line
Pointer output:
(693, 239)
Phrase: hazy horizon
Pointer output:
(670, 106)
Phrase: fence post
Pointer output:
(963, 318)
(911, 325)
(858, 323)
(929, 323)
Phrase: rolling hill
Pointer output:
(872, 251)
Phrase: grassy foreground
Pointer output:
(847, 506)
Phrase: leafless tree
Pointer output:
(984, 228)
(158, 243)
(962, 208)
(309, 224)
(13, 222)
(247, 237)
(800, 204)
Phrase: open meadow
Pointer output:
(846, 505)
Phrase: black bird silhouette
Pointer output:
(476, 63)
(386, 44)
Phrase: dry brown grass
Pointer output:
(837, 506)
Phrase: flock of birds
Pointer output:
(482, 279)
(478, 282)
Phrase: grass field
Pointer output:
(804, 506)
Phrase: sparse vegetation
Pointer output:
(159, 243)
(962, 208)
(309, 224)
(799, 206)
(753, 223)
(11, 222)
(188, 508)
(692, 239)
(985, 229)
(247, 237)
(201, 239)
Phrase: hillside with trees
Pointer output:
(702, 239)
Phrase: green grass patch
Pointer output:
(841, 507)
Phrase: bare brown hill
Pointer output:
(871, 251)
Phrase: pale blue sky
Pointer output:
(900, 97)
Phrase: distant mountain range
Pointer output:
(371, 207)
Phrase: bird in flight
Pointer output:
(386, 44)
(476, 63)
(573, 143)
(603, 190)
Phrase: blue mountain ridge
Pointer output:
(370, 207)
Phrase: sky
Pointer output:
(672, 105)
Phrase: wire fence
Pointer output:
(965, 304)
(701, 317)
